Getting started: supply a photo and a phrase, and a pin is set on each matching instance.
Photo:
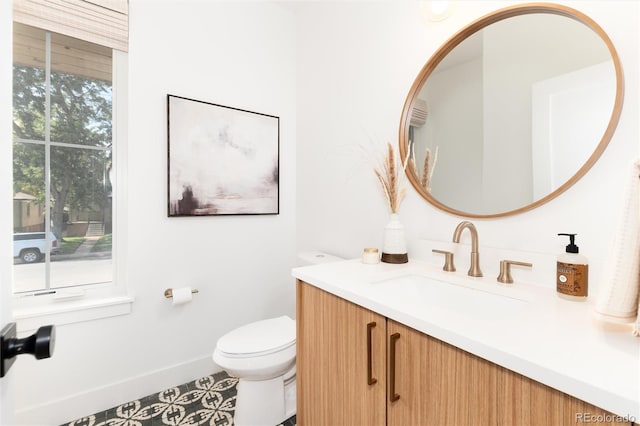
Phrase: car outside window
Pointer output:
(31, 247)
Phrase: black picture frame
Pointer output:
(221, 160)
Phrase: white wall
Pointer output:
(237, 54)
(356, 63)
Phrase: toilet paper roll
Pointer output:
(182, 295)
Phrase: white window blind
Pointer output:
(104, 22)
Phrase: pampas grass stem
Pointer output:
(389, 179)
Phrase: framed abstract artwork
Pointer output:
(222, 160)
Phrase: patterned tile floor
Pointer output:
(209, 401)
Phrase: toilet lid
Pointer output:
(264, 336)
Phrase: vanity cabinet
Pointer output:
(341, 361)
(356, 367)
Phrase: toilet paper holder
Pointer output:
(168, 293)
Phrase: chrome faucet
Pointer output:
(474, 269)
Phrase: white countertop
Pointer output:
(524, 328)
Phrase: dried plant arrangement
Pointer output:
(428, 169)
(389, 177)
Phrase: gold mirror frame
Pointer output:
(467, 31)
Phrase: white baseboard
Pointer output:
(67, 409)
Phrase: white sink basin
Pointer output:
(474, 298)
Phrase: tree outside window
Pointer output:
(62, 156)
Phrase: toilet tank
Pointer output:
(315, 258)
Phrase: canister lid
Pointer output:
(264, 336)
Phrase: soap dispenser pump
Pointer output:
(572, 276)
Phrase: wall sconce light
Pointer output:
(436, 10)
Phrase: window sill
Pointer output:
(30, 318)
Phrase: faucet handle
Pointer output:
(448, 260)
(505, 270)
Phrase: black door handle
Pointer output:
(40, 344)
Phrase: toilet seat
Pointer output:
(259, 338)
(261, 350)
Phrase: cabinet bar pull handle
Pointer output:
(393, 396)
(370, 379)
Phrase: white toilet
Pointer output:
(262, 355)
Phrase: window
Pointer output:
(62, 161)
(70, 115)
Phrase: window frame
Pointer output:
(93, 301)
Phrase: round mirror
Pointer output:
(511, 111)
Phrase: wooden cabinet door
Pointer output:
(333, 368)
(525, 402)
(438, 384)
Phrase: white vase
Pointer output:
(394, 248)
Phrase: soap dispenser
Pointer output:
(572, 276)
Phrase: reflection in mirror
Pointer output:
(511, 112)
